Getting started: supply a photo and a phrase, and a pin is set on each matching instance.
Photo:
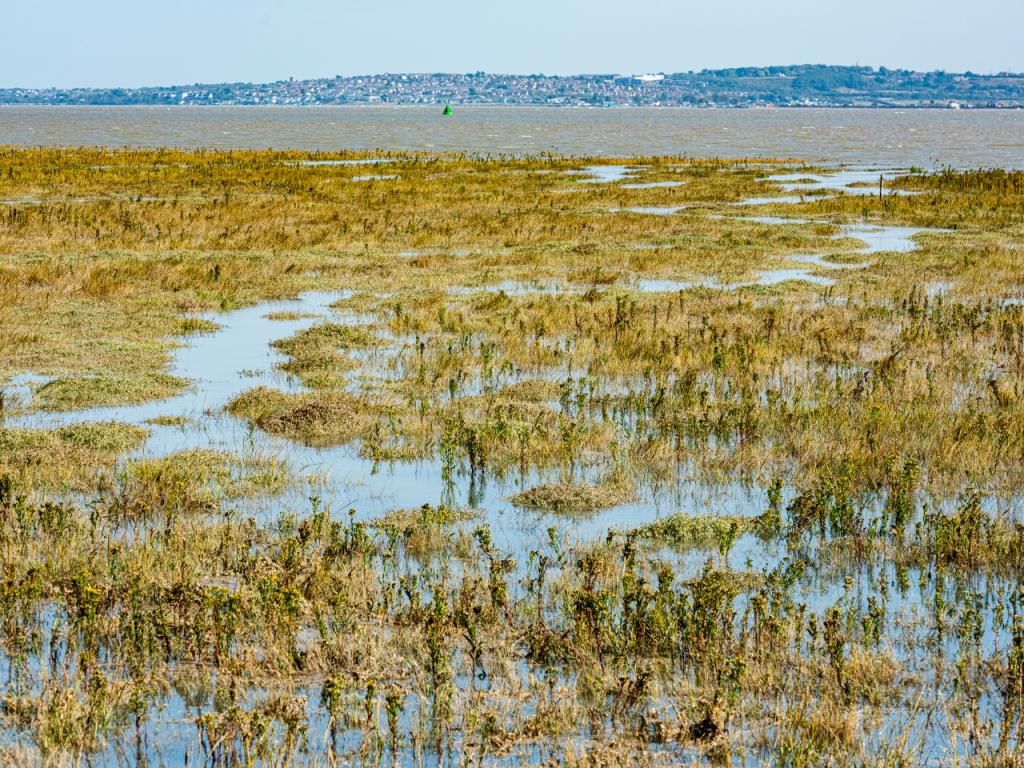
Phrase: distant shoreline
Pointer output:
(455, 105)
(782, 87)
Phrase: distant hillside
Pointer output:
(789, 86)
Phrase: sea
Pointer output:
(927, 138)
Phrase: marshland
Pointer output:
(406, 459)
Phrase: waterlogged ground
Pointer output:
(477, 460)
(237, 357)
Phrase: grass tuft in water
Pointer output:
(194, 481)
(69, 457)
(77, 393)
(169, 421)
(284, 316)
(682, 531)
(326, 418)
(573, 497)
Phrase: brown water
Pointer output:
(927, 138)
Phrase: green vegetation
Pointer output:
(430, 531)
(856, 444)
(169, 421)
(194, 481)
(330, 418)
(572, 497)
(289, 315)
(67, 457)
(692, 531)
(317, 353)
(81, 392)
(856, 84)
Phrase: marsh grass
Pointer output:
(531, 391)
(66, 458)
(194, 481)
(283, 316)
(882, 415)
(317, 356)
(684, 532)
(429, 531)
(321, 419)
(573, 497)
(169, 421)
(82, 392)
(637, 650)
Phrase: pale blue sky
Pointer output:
(68, 43)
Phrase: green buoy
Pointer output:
(447, 109)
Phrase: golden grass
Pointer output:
(572, 497)
(66, 458)
(330, 418)
(900, 383)
(81, 392)
(195, 480)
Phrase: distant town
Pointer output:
(784, 86)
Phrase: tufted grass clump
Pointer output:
(71, 457)
(320, 419)
(289, 315)
(530, 391)
(318, 356)
(187, 326)
(169, 421)
(430, 530)
(195, 480)
(683, 531)
(573, 497)
(76, 393)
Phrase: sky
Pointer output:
(133, 43)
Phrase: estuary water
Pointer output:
(928, 138)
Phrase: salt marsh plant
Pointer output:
(79, 393)
(504, 327)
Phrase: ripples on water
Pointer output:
(923, 137)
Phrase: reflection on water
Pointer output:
(925, 137)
